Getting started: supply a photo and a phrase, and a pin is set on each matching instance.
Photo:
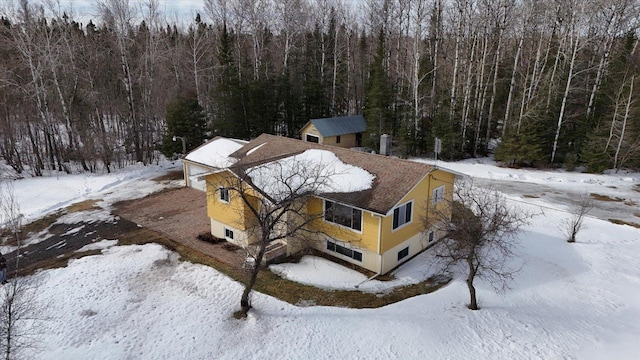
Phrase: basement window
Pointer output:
(228, 234)
(403, 253)
(345, 251)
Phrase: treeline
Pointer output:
(538, 82)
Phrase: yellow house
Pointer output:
(378, 225)
(344, 131)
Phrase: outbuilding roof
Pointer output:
(394, 177)
(215, 153)
(340, 125)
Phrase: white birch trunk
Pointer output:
(467, 95)
(512, 84)
(493, 88)
(567, 89)
(624, 122)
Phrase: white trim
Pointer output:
(404, 258)
(324, 211)
(342, 256)
(312, 135)
(390, 212)
(434, 199)
(220, 188)
(407, 222)
(225, 233)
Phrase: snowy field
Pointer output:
(570, 301)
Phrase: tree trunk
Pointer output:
(564, 99)
(245, 303)
(624, 123)
(467, 96)
(512, 84)
(473, 302)
(494, 89)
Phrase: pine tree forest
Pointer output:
(534, 82)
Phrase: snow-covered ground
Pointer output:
(570, 301)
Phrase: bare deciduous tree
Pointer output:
(480, 238)
(575, 222)
(18, 305)
(273, 198)
(18, 317)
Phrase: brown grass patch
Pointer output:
(83, 206)
(267, 283)
(283, 289)
(622, 222)
(46, 221)
(601, 197)
(636, 214)
(170, 176)
(33, 227)
(530, 196)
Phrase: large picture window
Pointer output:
(402, 215)
(343, 215)
(350, 253)
(438, 194)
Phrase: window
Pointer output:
(228, 234)
(438, 194)
(430, 236)
(350, 253)
(402, 215)
(343, 215)
(312, 138)
(224, 194)
(403, 253)
(338, 139)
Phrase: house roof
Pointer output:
(215, 153)
(394, 177)
(340, 125)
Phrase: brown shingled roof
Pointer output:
(394, 177)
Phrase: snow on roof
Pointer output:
(216, 152)
(319, 171)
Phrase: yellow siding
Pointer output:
(235, 213)
(440, 178)
(421, 196)
(367, 239)
(310, 129)
(346, 141)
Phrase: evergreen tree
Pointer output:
(519, 148)
(230, 106)
(185, 118)
(593, 154)
(379, 97)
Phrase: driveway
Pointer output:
(180, 214)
